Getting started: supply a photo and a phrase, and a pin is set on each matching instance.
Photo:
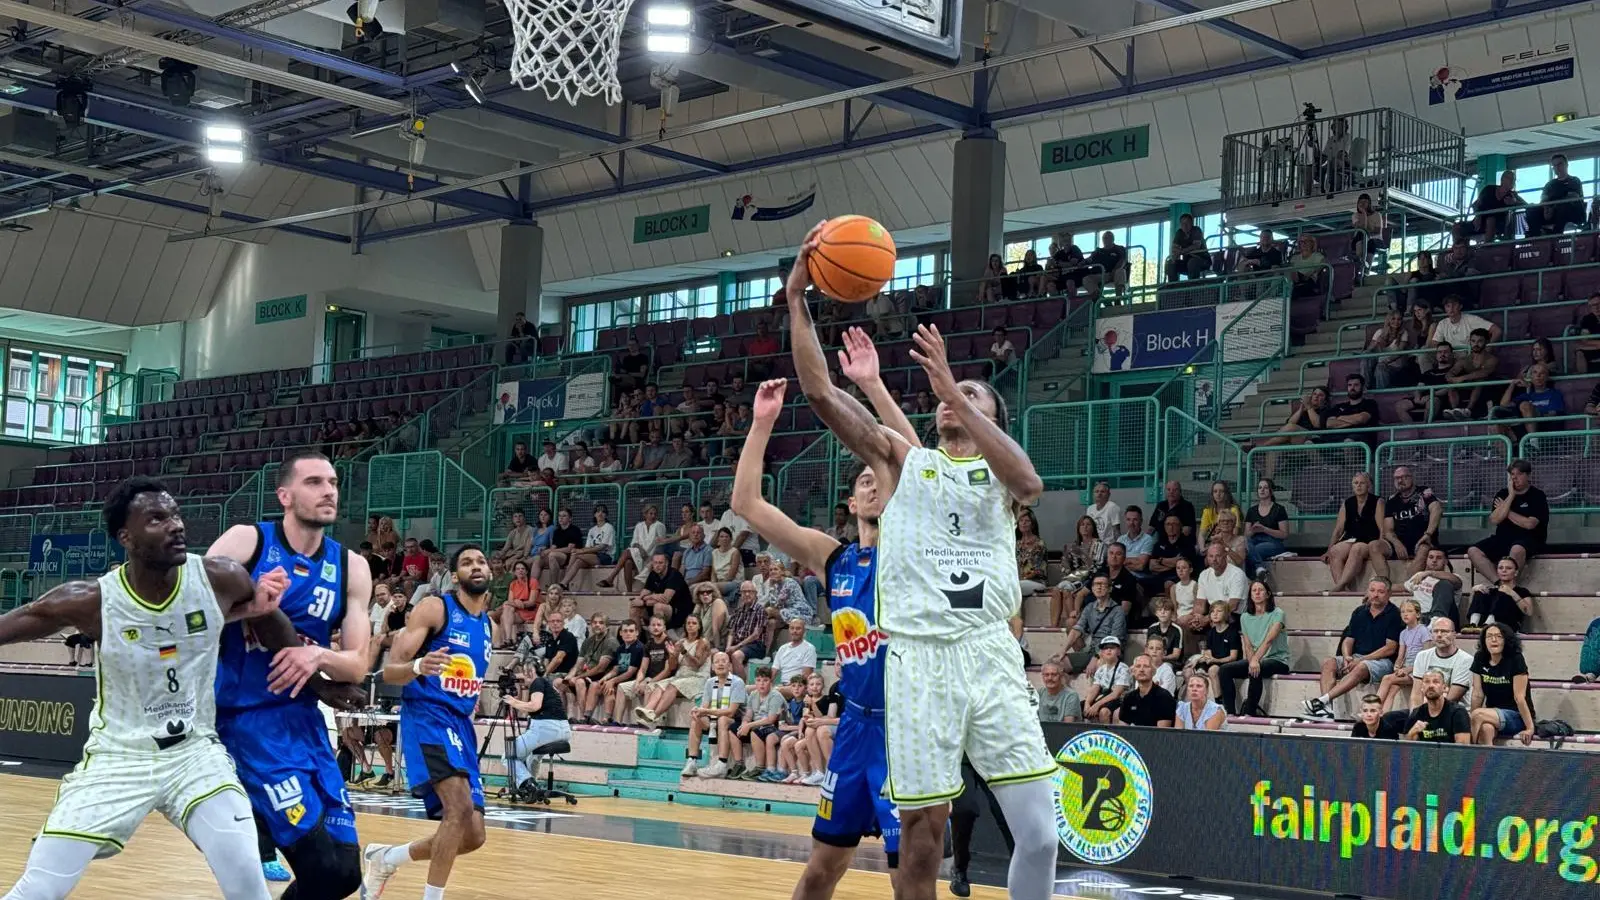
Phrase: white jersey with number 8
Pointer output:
(947, 558)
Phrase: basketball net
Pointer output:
(568, 48)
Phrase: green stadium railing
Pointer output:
(1187, 442)
(1464, 472)
(405, 485)
(1313, 478)
(1386, 396)
(1575, 452)
(1073, 445)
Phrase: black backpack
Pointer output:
(1556, 731)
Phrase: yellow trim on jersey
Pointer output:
(960, 459)
(79, 836)
(1020, 779)
(183, 820)
(923, 798)
(177, 588)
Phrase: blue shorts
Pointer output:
(853, 804)
(287, 766)
(1510, 722)
(437, 744)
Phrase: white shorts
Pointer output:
(970, 697)
(105, 797)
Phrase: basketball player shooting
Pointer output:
(152, 737)
(947, 587)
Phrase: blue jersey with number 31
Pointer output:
(314, 602)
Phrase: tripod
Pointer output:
(505, 722)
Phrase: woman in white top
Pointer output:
(648, 535)
(597, 548)
(1197, 711)
(1367, 219)
(711, 609)
(694, 667)
(727, 566)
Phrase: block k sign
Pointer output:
(1095, 150)
(280, 310)
(676, 223)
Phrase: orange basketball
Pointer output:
(853, 260)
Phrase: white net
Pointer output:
(568, 48)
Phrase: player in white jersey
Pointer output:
(947, 588)
(152, 739)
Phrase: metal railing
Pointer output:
(1429, 393)
(1566, 466)
(1252, 351)
(1188, 442)
(1074, 445)
(1464, 472)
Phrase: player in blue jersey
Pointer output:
(853, 802)
(452, 635)
(266, 718)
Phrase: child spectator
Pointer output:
(1167, 629)
(1413, 639)
(765, 707)
(1221, 645)
(1110, 681)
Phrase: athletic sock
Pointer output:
(394, 856)
(1324, 699)
(429, 892)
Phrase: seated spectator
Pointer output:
(719, 712)
(1220, 581)
(521, 468)
(660, 664)
(518, 544)
(1372, 724)
(1533, 399)
(678, 457)
(765, 708)
(1221, 501)
(551, 459)
(608, 464)
(651, 454)
(1542, 352)
(1366, 219)
(1478, 366)
(695, 560)
(1068, 269)
(1167, 629)
(522, 340)
(1173, 503)
(1189, 612)
(1399, 367)
(1303, 424)
(624, 423)
(1109, 682)
(744, 537)
(1424, 405)
(792, 755)
(679, 538)
(1436, 585)
(1100, 620)
(580, 462)
(1265, 255)
(712, 611)
(1030, 554)
(1420, 325)
(1169, 548)
(1560, 203)
(1502, 601)
(1148, 704)
(599, 547)
(1227, 534)
(1108, 263)
(633, 369)
(796, 657)
(991, 285)
(558, 647)
(1106, 514)
(1220, 646)
(1001, 351)
(630, 656)
(1188, 257)
(843, 528)
(1137, 546)
(1366, 651)
(521, 605)
(649, 535)
(1354, 531)
(1030, 276)
(1264, 652)
(1411, 519)
(1356, 411)
(1502, 704)
(781, 594)
(1155, 647)
(1457, 328)
(596, 656)
(764, 342)
(1521, 520)
(414, 560)
(1421, 278)
(1459, 262)
(1437, 720)
(665, 594)
(1587, 352)
(1306, 268)
(1124, 587)
(818, 721)
(688, 680)
(1057, 701)
(1079, 560)
(1197, 711)
(887, 320)
(1442, 654)
(1266, 528)
(727, 569)
(747, 627)
(691, 415)
(654, 407)
(1413, 638)
(1496, 209)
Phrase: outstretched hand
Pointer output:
(930, 355)
(799, 279)
(859, 358)
(769, 400)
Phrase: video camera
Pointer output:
(1309, 112)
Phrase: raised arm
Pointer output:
(811, 548)
(843, 414)
(1011, 464)
(75, 603)
(859, 363)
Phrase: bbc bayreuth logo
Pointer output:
(1104, 799)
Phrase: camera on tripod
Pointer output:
(1310, 111)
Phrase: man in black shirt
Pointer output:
(1366, 652)
(1521, 520)
(546, 724)
(1411, 520)
(1174, 504)
(1560, 203)
(1189, 257)
(521, 467)
(1266, 254)
(1424, 405)
(1124, 586)
(633, 369)
(1437, 720)
(1588, 358)
(660, 662)
(567, 538)
(1171, 546)
(665, 593)
(1357, 410)
(1110, 262)
(1372, 724)
(1148, 704)
(558, 646)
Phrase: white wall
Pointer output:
(19, 456)
(402, 334)
(157, 347)
(229, 342)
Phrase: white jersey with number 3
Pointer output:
(947, 557)
(157, 664)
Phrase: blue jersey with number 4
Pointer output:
(314, 602)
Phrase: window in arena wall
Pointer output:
(754, 293)
(587, 320)
(910, 271)
(683, 303)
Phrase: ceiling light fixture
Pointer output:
(472, 80)
(225, 143)
(670, 26)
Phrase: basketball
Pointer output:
(853, 260)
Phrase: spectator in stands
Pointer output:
(1306, 269)
(565, 541)
(887, 321)
(781, 595)
(518, 544)
(1591, 406)
(1356, 411)
(763, 346)
(695, 560)
(727, 568)
(843, 528)
(719, 710)
(414, 561)
(1304, 421)
(1148, 704)
(558, 647)
(689, 677)
(1530, 399)
(1411, 520)
(1001, 351)
(712, 612)
(1166, 629)
(521, 606)
(1109, 682)
(1420, 298)
(1137, 546)
(1437, 720)
(1220, 645)
(522, 340)
(579, 461)
(1458, 329)
(660, 663)
(596, 656)
(1366, 651)
(1124, 587)
(1586, 355)
(1068, 269)
(1428, 403)
(1435, 585)
(1502, 702)
(692, 415)
(1264, 256)
(747, 627)
(599, 547)
(1108, 263)
(744, 537)
(1057, 701)
(1399, 367)
(765, 709)
(1413, 638)
(1459, 262)
(1443, 655)
(1079, 560)
(1560, 203)
(1170, 547)
(624, 424)
(678, 457)
(1504, 601)
(1030, 554)
(991, 284)
(651, 453)
(1221, 501)
(521, 468)
(608, 464)
(1479, 365)
(654, 406)
(1030, 276)
(664, 594)
(1264, 652)
(1495, 208)
(1371, 723)
(552, 459)
(1521, 520)
(1107, 515)
(1155, 647)
(1102, 619)
(1220, 581)
(1354, 530)
(649, 535)
(1266, 528)
(1227, 534)
(796, 657)
(1190, 614)
(1188, 257)
(633, 369)
(1198, 711)
(1173, 503)
(1370, 221)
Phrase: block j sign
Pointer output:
(1095, 150)
(676, 223)
(280, 310)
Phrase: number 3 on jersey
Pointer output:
(321, 603)
(955, 524)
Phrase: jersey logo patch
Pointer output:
(273, 555)
(962, 596)
(460, 638)
(301, 570)
(930, 475)
(285, 793)
(169, 652)
(131, 635)
(978, 476)
(195, 621)
(330, 572)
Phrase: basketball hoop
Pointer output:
(568, 48)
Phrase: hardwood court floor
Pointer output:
(524, 860)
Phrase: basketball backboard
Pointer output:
(928, 29)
